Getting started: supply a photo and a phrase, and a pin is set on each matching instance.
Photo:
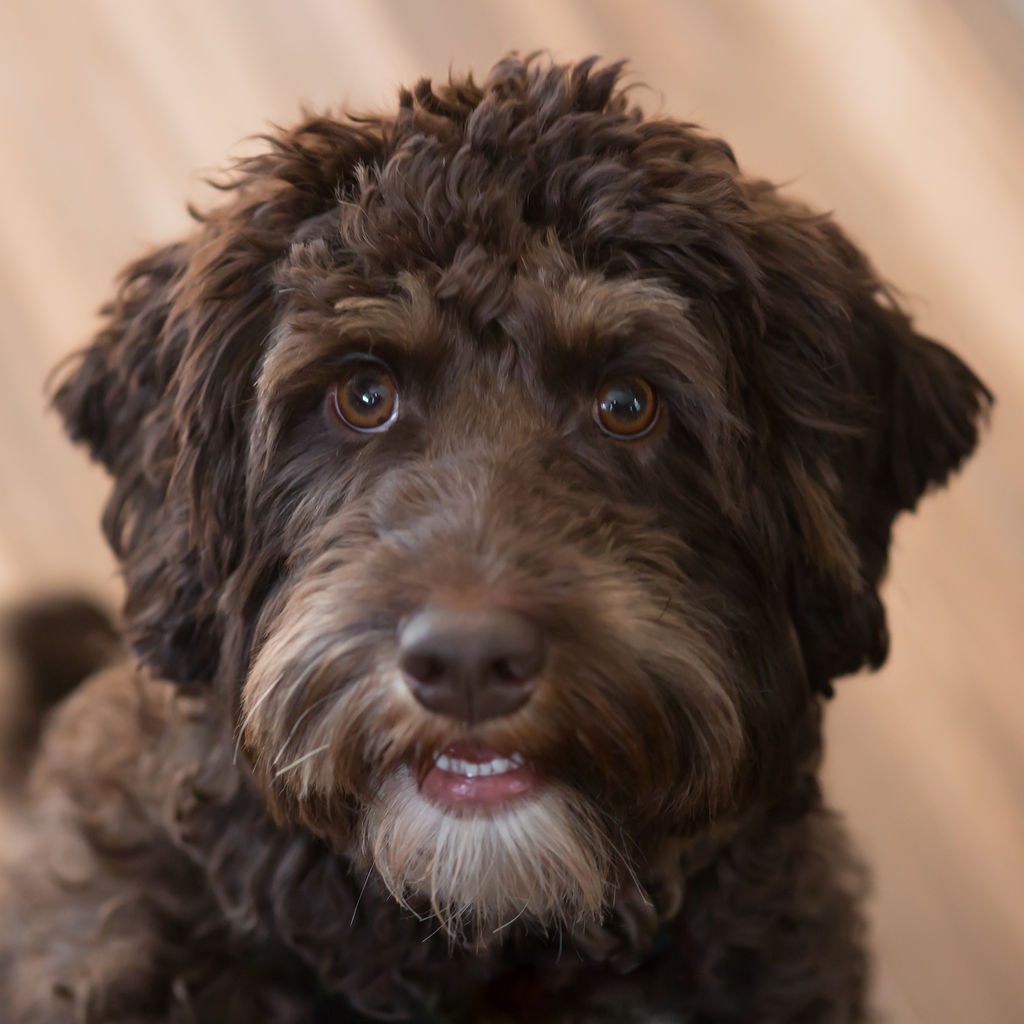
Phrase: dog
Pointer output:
(499, 485)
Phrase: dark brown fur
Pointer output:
(201, 818)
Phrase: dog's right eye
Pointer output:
(626, 407)
(365, 398)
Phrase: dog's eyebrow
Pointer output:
(589, 308)
(399, 318)
(600, 316)
(373, 311)
(311, 337)
(301, 347)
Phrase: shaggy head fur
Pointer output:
(503, 249)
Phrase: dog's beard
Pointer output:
(545, 859)
(336, 739)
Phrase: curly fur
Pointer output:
(228, 827)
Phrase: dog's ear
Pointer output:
(163, 395)
(924, 409)
(872, 415)
(124, 398)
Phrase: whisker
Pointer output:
(359, 898)
(305, 714)
(300, 760)
(247, 718)
(502, 927)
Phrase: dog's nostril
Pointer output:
(470, 664)
(510, 670)
(424, 668)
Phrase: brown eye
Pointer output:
(626, 407)
(366, 397)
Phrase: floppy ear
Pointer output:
(926, 409)
(119, 397)
(923, 408)
(163, 395)
(873, 414)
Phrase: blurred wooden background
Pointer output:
(906, 117)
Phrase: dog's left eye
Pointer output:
(366, 397)
(626, 407)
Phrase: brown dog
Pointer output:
(499, 486)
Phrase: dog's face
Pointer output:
(524, 474)
(497, 629)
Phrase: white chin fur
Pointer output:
(544, 858)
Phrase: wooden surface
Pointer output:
(903, 116)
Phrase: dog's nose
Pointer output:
(471, 664)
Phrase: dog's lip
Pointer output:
(468, 774)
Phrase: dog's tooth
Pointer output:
(478, 769)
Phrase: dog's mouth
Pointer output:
(467, 775)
